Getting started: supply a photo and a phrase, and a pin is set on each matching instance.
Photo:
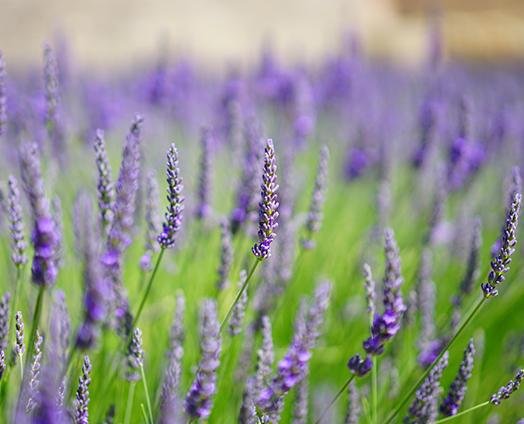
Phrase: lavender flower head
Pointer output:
(175, 207)
(506, 391)
(203, 209)
(105, 187)
(3, 97)
(19, 348)
(268, 205)
(370, 289)
(294, 366)
(96, 289)
(81, 403)
(314, 218)
(199, 399)
(226, 255)
(152, 221)
(34, 381)
(4, 320)
(44, 236)
(135, 356)
(424, 407)
(265, 356)
(16, 223)
(451, 403)
(500, 264)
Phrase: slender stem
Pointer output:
(21, 363)
(130, 401)
(36, 319)
(405, 399)
(148, 399)
(467, 411)
(240, 292)
(374, 390)
(342, 390)
(146, 419)
(148, 288)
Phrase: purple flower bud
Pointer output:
(226, 256)
(19, 347)
(44, 237)
(457, 390)
(500, 264)
(105, 187)
(506, 391)
(152, 221)
(96, 289)
(81, 403)
(135, 356)
(199, 399)
(314, 218)
(268, 206)
(203, 209)
(424, 407)
(175, 207)
(359, 366)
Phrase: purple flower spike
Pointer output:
(451, 403)
(81, 403)
(500, 264)
(506, 391)
(105, 187)
(175, 207)
(3, 97)
(268, 205)
(203, 209)
(199, 400)
(44, 236)
(96, 290)
(424, 407)
(4, 320)
(16, 224)
(152, 221)
(314, 218)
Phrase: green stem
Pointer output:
(240, 292)
(21, 363)
(36, 319)
(144, 414)
(342, 390)
(467, 411)
(148, 288)
(374, 390)
(148, 399)
(129, 403)
(405, 399)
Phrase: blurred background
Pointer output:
(106, 33)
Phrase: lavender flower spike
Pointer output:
(314, 218)
(34, 381)
(226, 255)
(3, 97)
(96, 289)
(175, 207)
(237, 316)
(105, 187)
(44, 236)
(4, 320)
(16, 224)
(353, 409)
(81, 403)
(203, 209)
(500, 264)
(268, 206)
(199, 399)
(135, 356)
(2, 364)
(152, 221)
(424, 407)
(451, 403)
(506, 391)
(266, 356)
(370, 289)
(19, 348)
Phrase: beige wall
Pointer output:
(108, 32)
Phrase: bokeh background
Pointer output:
(109, 33)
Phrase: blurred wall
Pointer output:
(109, 32)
